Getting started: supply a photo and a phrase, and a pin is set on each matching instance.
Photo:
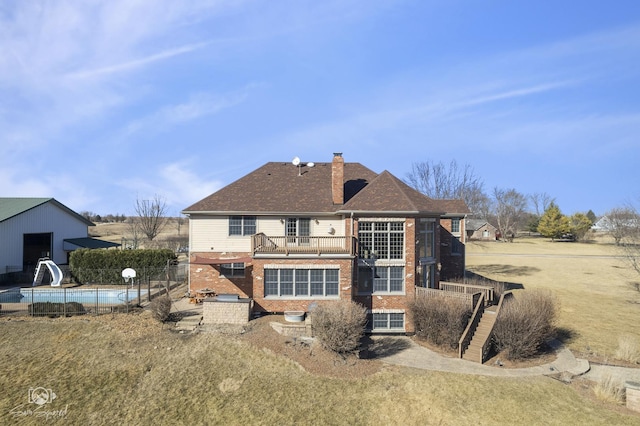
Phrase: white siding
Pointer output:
(46, 218)
(211, 233)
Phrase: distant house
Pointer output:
(478, 229)
(290, 236)
(616, 222)
(33, 228)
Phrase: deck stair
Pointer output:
(482, 334)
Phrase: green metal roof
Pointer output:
(10, 207)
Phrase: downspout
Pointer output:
(352, 228)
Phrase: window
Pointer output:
(232, 269)
(385, 240)
(456, 245)
(387, 279)
(426, 275)
(387, 321)
(242, 225)
(297, 230)
(426, 243)
(301, 282)
(455, 225)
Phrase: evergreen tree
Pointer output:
(553, 224)
(592, 216)
(580, 225)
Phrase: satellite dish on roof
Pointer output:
(295, 161)
(311, 164)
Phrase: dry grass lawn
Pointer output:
(128, 369)
(114, 232)
(597, 302)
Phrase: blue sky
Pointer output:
(103, 103)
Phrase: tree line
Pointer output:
(509, 210)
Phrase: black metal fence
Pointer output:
(94, 298)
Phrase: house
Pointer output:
(290, 236)
(33, 228)
(478, 229)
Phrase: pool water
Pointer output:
(84, 296)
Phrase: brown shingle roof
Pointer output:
(278, 187)
(453, 207)
(387, 193)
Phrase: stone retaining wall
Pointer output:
(220, 312)
(633, 396)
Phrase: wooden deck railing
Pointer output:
(487, 291)
(467, 335)
(472, 299)
(487, 343)
(263, 244)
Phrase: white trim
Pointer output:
(300, 266)
(386, 311)
(382, 219)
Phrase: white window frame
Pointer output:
(370, 287)
(455, 225)
(245, 228)
(374, 238)
(389, 316)
(283, 272)
(232, 268)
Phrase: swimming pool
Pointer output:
(98, 296)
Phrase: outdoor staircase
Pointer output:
(474, 351)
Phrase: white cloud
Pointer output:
(198, 105)
(175, 182)
(136, 63)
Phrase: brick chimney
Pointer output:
(337, 178)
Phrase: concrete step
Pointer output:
(189, 323)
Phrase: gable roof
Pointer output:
(281, 188)
(11, 207)
(475, 224)
(387, 193)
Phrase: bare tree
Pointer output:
(541, 202)
(152, 216)
(620, 222)
(510, 207)
(180, 220)
(625, 223)
(133, 232)
(439, 181)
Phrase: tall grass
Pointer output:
(628, 349)
(610, 390)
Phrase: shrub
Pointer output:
(161, 307)
(610, 390)
(524, 324)
(440, 320)
(51, 309)
(339, 326)
(628, 349)
(105, 266)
